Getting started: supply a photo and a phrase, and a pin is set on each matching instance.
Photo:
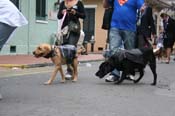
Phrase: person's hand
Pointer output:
(73, 11)
(64, 11)
(154, 36)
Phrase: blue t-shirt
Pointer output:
(124, 16)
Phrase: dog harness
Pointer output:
(134, 55)
(52, 53)
(67, 51)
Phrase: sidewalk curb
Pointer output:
(22, 66)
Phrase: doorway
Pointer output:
(89, 26)
(89, 23)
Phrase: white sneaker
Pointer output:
(155, 50)
(68, 76)
(131, 77)
(111, 78)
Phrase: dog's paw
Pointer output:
(135, 81)
(153, 84)
(117, 82)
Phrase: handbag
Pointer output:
(59, 37)
(61, 32)
(107, 17)
(74, 26)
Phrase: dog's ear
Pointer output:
(104, 69)
(47, 48)
(44, 49)
(104, 64)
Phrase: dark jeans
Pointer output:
(72, 39)
(5, 32)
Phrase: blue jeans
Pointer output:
(120, 39)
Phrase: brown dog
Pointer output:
(59, 59)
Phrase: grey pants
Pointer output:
(5, 32)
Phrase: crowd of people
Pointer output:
(136, 29)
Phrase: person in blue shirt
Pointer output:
(123, 27)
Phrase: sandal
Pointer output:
(167, 61)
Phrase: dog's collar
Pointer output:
(52, 53)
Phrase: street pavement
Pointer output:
(24, 93)
(29, 61)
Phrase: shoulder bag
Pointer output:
(74, 26)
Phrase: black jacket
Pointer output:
(147, 26)
(170, 26)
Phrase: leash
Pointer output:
(62, 20)
(59, 30)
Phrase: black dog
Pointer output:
(128, 61)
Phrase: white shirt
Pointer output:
(10, 15)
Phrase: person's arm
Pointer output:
(173, 26)
(171, 23)
(60, 12)
(80, 12)
(106, 4)
(150, 18)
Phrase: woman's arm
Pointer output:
(60, 14)
(151, 20)
(81, 11)
(106, 4)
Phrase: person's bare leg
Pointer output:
(168, 52)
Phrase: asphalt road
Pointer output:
(25, 95)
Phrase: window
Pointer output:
(12, 49)
(41, 10)
(16, 2)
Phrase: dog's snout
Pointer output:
(98, 74)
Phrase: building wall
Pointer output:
(26, 38)
(100, 34)
(40, 31)
(19, 38)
